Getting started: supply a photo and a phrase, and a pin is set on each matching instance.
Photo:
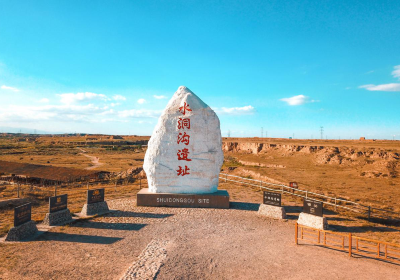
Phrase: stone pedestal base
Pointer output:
(58, 218)
(312, 221)
(95, 209)
(22, 231)
(270, 211)
(219, 199)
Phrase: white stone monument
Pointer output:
(184, 154)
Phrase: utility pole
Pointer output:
(322, 132)
(262, 132)
(229, 133)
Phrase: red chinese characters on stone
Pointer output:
(182, 171)
(183, 138)
(183, 155)
(183, 123)
(184, 108)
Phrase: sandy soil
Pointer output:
(198, 243)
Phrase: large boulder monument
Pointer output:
(184, 156)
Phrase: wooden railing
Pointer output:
(354, 245)
(335, 202)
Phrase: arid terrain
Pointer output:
(362, 171)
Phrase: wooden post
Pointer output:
(385, 251)
(369, 213)
(115, 188)
(350, 245)
(260, 184)
(335, 204)
(297, 234)
(319, 236)
(140, 182)
(306, 194)
(226, 177)
(379, 249)
(87, 185)
(282, 190)
(18, 185)
(55, 190)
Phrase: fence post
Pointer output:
(226, 177)
(379, 249)
(260, 184)
(297, 234)
(18, 189)
(369, 213)
(350, 245)
(115, 187)
(140, 183)
(87, 185)
(55, 190)
(335, 204)
(282, 190)
(306, 194)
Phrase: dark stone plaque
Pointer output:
(313, 207)
(58, 203)
(271, 198)
(293, 185)
(94, 196)
(219, 199)
(22, 214)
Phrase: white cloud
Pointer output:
(139, 113)
(159, 96)
(396, 72)
(44, 100)
(70, 98)
(9, 88)
(297, 100)
(141, 101)
(384, 87)
(119, 97)
(245, 110)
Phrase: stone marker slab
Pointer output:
(270, 211)
(22, 231)
(58, 203)
(313, 207)
(219, 199)
(58, 218)
(22, 214)
(312, 221)
(272, 198)
(95, 209)
(95, 196)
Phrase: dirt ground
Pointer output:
(232, 243)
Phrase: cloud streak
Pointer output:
(9, 88)
(386, 87)
(297, 100)
(71, 98)
(159, 96)
(245, 110)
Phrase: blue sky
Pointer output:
(287, 66)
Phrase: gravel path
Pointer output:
(173, 243)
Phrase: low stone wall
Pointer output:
(270, 211)
(22, 231)
(95, 209)
(58, 218)
(312, 221)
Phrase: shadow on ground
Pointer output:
(127, 214)
(78, 238)
(244, 206)
(114, 226)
